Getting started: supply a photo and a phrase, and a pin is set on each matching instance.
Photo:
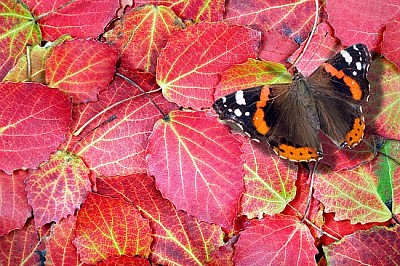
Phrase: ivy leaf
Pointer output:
(81, 68)
(27, 137)
(178, 238)
(193, 169)
(99, 235)
(14, 208)
(17, 30)
(189, 65)
(66, 171)
(152, 25)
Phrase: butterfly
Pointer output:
(290, 116)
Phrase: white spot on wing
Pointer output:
(354, 73)
(223, 99)
(238, 113)
(247, 114)
(239, 98)
(346, 56)
(358, 65)
(355, 47)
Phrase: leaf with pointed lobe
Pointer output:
(18, 30)
(29, 136)
(14, 208)
(391, 42)
(189, 65)
(114, 142)
(197, 165)
(140, 35)
(178, 238)
(99, 235)
(79, 18)
(81, 68)
(58, 187)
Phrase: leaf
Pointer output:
(81, 68)
(178, 238)
(376, 246)
(14, 208)
(192, 9)
(57, 188)
(251, 74)
(290, 18)
(21, 247)
(78, 18)
(351, 194)
(117, 146)
(189, 65)
(152, 25)
(34, 61)
(124, 260)
(276, 47)
(391, 44)
(381, 111)
(59, 247)
(276, 240)
(99, 235)
(269, 181)
(17, 30)
(193, 169)
(27, 137)
(354, 22)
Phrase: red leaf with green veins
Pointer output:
(152, 25)
(57, 188)
(81, 68)
(292, 18)
(124, 260)
(59, 247)
(29, 135)
(276, 240)
(269, 181)
(378, 246)
(18, 29)
(14, 208)
(114, 142)
(197, 165)
(355, 21)
(79, 18)
(189, 66)
(192, 9)
(21, 247)
(178, 238)
(108, 227)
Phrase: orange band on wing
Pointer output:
(357, 133)
(259, 116)
(301, 154)
(355, 88)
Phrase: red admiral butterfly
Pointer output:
(290, 116)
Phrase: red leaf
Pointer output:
(268, 189)
(276, 47)
(152, 25)
(59, 247)
(276, 240)
(117, 147)
(27, 137)
(57, 188)
(356, 22)
(178, 238)
(193, 169)
(189, 65)
(124, 260)
(378, 246)
(17, 30)
(391, 42)
(14, 208)
(99, 235)
(192, 9)
(81, 68)
(81, 19)
(290, 18)
(21, 247)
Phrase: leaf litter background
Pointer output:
(92, 173)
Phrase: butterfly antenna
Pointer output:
(143, 91)
(309, 37)
(311, 190)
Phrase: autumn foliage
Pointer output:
(95, 171)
